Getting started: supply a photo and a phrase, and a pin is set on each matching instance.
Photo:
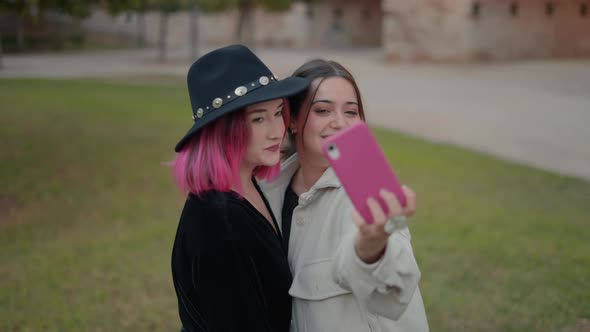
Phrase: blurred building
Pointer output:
(344, 23)
(407, 30)
(460, 30)
(329, 23)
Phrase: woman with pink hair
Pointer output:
(229, 266)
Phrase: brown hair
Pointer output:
(300, 104)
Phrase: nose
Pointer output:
(277, 128)
(338, 122)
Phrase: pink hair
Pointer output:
(211, 160)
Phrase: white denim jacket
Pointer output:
(333, 290)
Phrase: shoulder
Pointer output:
(210, 203)
(214, 212)
(288, 169)
(205, 215)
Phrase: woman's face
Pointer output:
(267, 129)
(335, 107)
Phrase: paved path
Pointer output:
(536, 112)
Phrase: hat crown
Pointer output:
(229, 79)
(220, 72)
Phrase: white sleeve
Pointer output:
(385, 287)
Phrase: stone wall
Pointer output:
(464, 30)
(344, 23)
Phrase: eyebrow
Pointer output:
(262, 110)
(331, 102)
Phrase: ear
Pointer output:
(293, 127)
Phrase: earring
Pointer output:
(291, 131)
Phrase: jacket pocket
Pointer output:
(314, 281)
(373, 322)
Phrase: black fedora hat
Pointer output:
(229, 79)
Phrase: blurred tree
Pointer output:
(166, 7)
(23, 9)
(1, 48)
(245, 28)
(1, 51)
(76, 9)
(73, 8)
(194, 28)
(116, 7)
(32, 10)
(141, 8)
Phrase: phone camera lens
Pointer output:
(333, 152)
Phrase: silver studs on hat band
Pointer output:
(198, 115)
(217, 102)
(240, 91)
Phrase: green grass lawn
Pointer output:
(88, 214)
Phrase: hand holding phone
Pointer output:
(362, 168)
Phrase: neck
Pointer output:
(245, 180)
(307, 175)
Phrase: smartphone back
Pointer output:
(361, 167)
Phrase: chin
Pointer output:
(270, 161)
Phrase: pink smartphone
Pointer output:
(362, 168)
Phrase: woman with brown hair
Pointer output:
(347, 275)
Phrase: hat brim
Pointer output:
(280, 89)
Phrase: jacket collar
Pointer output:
(291, 165)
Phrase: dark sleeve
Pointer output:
(226, 281)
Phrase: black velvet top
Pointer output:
(289, 204)
(229, 267)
